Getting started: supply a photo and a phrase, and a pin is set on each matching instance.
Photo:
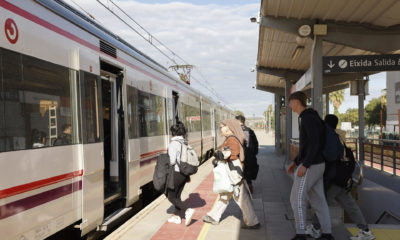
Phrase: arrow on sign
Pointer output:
(331, 64)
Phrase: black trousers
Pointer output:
(174, 196)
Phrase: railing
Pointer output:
(383, 155)
(387, 213)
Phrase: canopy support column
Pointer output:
(288, 121)
(361, 97)
(277, 124)
(316, 75)
(327, 103)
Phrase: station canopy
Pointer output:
(353, 27)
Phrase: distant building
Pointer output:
(255, 122)
(345, 126)
(393, 101)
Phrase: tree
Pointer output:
(336, 98)
(237, 113)
(373, 111)
(269, 117)
(383, 97)
(351, 115)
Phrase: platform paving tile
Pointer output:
(279, 217)
(151, 222)
(270, 201)
(275, 209)
(197, 201)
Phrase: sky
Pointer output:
(216, 37)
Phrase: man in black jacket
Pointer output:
(308, 169)
(340, 194)
(251, 150)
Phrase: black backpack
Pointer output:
(161, 172)
(250, 148)
(344, 170)
(333, 149)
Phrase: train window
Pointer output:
(151, 113)
(206, 120)
(37, 103)
(217, 117)
(132, 114)
(170, 110)
(191, 118)
(90, 108)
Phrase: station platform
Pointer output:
(270, 200)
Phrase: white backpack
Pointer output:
(189, 162)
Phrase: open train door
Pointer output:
(175, 103)
(114, 143)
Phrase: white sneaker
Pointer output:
(188, 215)
(175, 219)
(312, 231)
(363, 235)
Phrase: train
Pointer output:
(83, 117)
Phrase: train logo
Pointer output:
(11, 30)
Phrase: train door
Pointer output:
(92, 149)
(202, 153)
(175, 97)
(114, 138)
(214, 127)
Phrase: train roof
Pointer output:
(79, 19)
(76, 17)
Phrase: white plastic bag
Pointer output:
(222, 182)
(235, 174)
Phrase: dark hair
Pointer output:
(331, 120)
(66, 126)
(38, 136)
(299, 96)
(178, 129)
(241, 118)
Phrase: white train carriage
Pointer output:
(208, 127)
(83, 116)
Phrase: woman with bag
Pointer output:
(233, 153)
(177, 180)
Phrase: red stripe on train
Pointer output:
(152, 153)
(46, 24)
(77, 39)
(38, 184)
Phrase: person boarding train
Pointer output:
(234, 139)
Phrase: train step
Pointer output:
(114, 216)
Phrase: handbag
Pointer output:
(170, 178)
(235, 171)
(222, 182)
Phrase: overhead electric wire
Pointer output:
(208, 84)
(150, 40)
(122, 20)
(150, 35)
(87, 13)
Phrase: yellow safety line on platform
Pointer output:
(206, 226)
(380, 233)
